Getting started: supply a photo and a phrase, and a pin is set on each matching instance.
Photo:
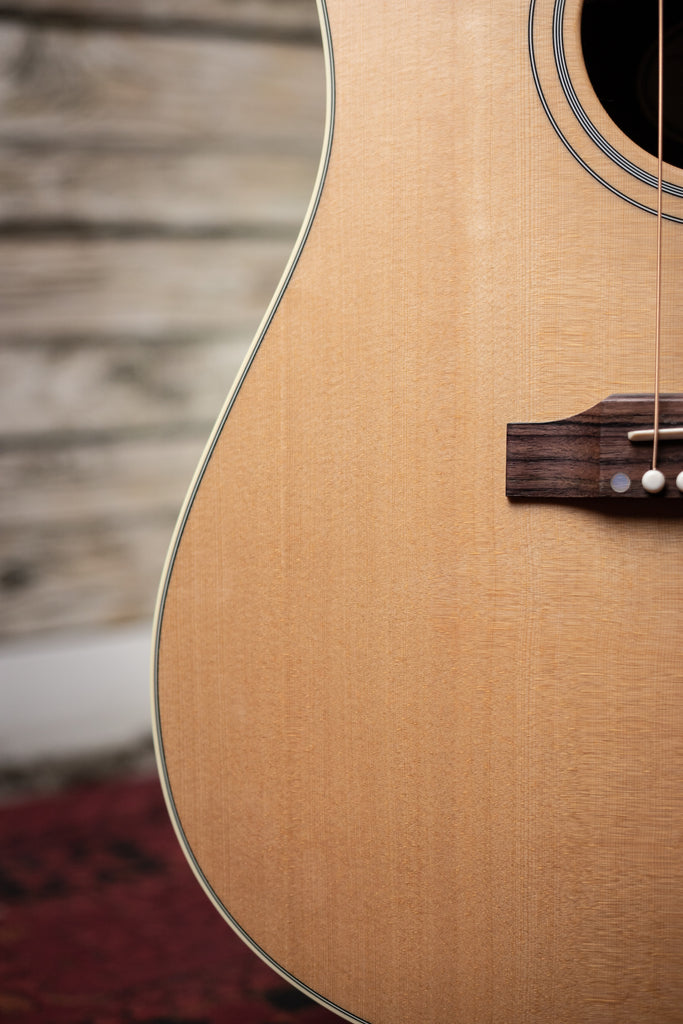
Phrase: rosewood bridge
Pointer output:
(599, 453)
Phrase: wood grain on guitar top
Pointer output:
(422, 742)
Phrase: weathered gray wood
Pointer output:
(55, 286)
(264, 15)
(129, 89)
(89, 481)
(108, 384)
(85, 574)
(156, 162)
(163, 191)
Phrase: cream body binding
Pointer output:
(421, 743)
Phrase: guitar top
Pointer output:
(421, 740)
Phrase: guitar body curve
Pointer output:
(421, 743)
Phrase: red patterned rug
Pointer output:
(102, 922)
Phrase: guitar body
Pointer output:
(421, 743)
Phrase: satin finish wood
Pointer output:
(420, 742)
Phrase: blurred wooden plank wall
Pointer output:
(156, 161)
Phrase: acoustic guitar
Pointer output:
(419, 660)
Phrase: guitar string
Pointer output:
(660, 169)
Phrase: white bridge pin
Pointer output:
(679, 481)
(653, 481)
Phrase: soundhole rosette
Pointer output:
(581, 119)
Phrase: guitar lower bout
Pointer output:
(421, 741)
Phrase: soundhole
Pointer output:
(619, 41)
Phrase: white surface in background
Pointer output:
(70, 695)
